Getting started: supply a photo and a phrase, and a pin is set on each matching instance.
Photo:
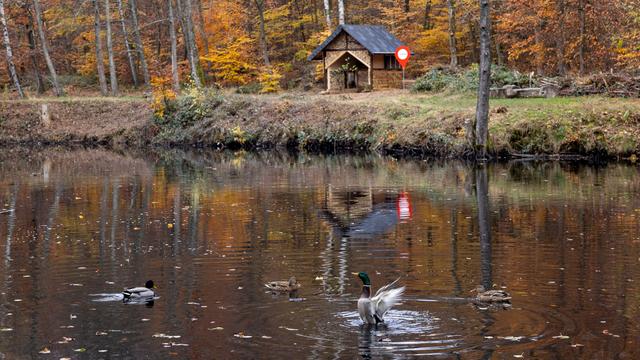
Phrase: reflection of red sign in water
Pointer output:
(404, 206)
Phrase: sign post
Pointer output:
(402, 55)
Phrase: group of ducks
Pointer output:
(370, 308)
(373, 308)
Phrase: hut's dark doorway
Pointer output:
(350, 80)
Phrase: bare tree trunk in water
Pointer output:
(174, 50)
(45, 50)
(453, 49)
(127, 45)
(194, 58)
(482, 107)
(139, 45)
(484, 225)
(113, 76)
(560, 39)
(581, 15)
(327, 13)
(263, 34)
(99, 57)
(7, 46)
(341, 12)
(426, 25)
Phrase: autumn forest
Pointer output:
(53, 45)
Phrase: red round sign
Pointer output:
(402, 55)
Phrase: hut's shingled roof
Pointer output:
(374, 38)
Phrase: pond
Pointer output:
(210, 228)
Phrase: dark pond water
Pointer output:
(212, 228)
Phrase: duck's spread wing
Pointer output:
(386, 299)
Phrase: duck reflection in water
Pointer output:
(369, 336)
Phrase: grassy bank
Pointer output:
(395, 121)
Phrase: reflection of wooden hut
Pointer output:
(359, 56)
(360, 213)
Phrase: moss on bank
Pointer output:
(391, 122)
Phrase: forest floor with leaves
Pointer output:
(394, 122)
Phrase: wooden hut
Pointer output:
(359, 57)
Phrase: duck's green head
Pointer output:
(364, 277)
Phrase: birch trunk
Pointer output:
(327, 13)
(341, 12)
(263, 35)
(174, 49)
(453, 48)
(194, 57)
(99, 56)
(113, 76)
(127, 45)
(482, 107)
(7, 46)
(45, 50)
(139, 45)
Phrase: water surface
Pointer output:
(211, 228)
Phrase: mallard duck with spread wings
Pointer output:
(372, 309)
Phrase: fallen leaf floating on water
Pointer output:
(242, 335)
(80, 350)
(65, 340)
(101, 333)
(519, 356)
(45, 351)
(167, 336)
(561, 337)
(217, 328)
(266, 337)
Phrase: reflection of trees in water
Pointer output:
(484, 228)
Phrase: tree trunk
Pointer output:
(426, 25)
(194, 57)
(174, 50)
(406, 6)
(327, 13)
(341, 12)
(32, 54)
(482, 106)
(539, 57)
(581, 50)
(453, 49)
(263, 35)
(183, 26)
(7, 46)
(127, 45)
(139, 44)
(45, 50)
(560, 38)
(203, 36)
(99, 57)
(113, 76)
